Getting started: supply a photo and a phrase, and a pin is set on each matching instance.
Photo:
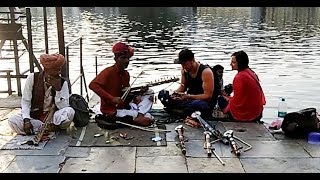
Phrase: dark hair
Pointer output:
(217, 67)
(185, 55)
(242, 59)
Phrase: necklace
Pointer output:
(193, 75)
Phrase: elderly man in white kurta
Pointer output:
(40, 92)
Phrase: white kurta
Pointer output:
(143, 107)
(64, 114)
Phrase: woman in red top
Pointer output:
(248, 98)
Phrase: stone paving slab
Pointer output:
(312, 149)
(213, 165)
(170, 150)
(93, 100)
(171, 136)
(249, 131)
(77, 152)
(279, 135)
(190, 133)
(12, 101)
(103, 160)
(270, 149)
(35, 164)
(5, 161)
(195, 148)
(161, 164)
(281, 165)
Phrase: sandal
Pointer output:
(192, 122)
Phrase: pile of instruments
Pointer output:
(227, 138)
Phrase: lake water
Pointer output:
(282, 44)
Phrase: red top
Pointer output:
(108, 84)
(248, 98)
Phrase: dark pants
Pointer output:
(190, 106)
(223, 103)
(184, 107)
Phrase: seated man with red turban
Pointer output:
(42, 92)
(109, 85)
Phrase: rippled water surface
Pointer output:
(282, 44)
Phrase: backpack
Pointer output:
(299, 124)
(81, 108)
(217, 85)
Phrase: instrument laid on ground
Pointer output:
(207, 142)
(227, 137)
(38, 137)
(208, 131)
(234, 145)
(209, 148)
(180, 130)
(235, 148)
(207, 127)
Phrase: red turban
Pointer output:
(122, 49)
(52, 60)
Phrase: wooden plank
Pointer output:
(11, 31)
(6, 70)
(10, 27)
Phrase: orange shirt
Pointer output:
(108, 84)
(248, 99)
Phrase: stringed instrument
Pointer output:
(156, 83)
(135, 90)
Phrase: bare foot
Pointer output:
(140, 120)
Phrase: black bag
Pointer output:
(300, 124)
(81, 108)
(109, 122)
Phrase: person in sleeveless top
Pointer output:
(246, 104)
(41, 91)
(196, 89)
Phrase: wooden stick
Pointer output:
(124, 96)
(37, 138)
(143, 128)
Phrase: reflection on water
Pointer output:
(282, 43)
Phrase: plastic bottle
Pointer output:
(282, 109)
(216, 111)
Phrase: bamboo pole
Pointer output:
(45, 24)
(65, 67)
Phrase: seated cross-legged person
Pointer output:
(109, 85)
(197, 90)
(42, 91)
(246, 104)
